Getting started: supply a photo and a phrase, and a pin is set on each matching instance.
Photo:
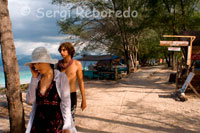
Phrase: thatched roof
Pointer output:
(98, 58)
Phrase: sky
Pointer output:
(34, 24)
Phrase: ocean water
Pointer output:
(24, 72)
(85, 64)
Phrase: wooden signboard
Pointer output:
(195, 53)
(174, 49)
(174, 43)
(181, 43)
(187, 82)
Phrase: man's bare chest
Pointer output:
(70, 72)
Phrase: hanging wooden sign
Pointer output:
(174, 49)
(174, 43)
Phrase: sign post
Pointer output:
(187, 82)
(180, 43)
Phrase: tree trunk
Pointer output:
(127, 62)
(132, 61)
(11, 71)
(168, 60)
(173, 61)
(135, 68)
(124, 39)
(183, 15)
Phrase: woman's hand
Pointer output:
(33, 71)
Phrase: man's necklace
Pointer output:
(64, 66)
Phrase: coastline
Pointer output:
(23, 81)
(2, 86)
(23, 87)
(24, 75)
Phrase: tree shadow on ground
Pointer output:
(1, 131)
(137, 82)
(174, 129)
(81, 129)
(184, 123)
(183, 120)
(165, 96)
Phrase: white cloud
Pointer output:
(61, 38)
(31, 9)
(54, 38)
(31, 32)
(26, 48)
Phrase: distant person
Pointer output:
(49, 94)
(73, 69)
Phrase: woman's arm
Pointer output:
(65, 102)
(30, 95)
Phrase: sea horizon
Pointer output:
(24, 72)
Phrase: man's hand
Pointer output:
(65, 131)
(83, 104)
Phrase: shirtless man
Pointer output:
(73, 69)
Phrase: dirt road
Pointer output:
(140, 103)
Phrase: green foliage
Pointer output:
(149, 48)
(127, 36)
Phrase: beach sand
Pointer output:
(140, 103)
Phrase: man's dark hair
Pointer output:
(69, 47)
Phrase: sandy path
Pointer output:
(140, 103)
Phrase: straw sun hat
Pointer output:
(41, 55)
